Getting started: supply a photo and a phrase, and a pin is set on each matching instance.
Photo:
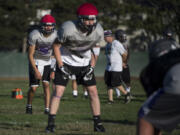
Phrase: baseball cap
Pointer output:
(108, 33)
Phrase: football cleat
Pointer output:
(127, 98)
(28, 109)
(50, 129)
(46, 111)
(132, 97)
(110, 102)
(86, 96)
(99, 127)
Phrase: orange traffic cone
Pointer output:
(17, 93)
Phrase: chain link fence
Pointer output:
(16, 64)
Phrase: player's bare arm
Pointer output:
(94, 55)
(32, 62)
(124, 59)
(93, 60)
(53, 63)
(57, 54)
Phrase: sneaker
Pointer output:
(110, 102)
(99, 127)
(50, 129)
(46, 111)
(127, 98)
(132, 97)
(29, 109)
(118, 96)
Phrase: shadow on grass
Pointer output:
(11, 125)
(124, 122)
(76, 134)
(6, 125)
(136, 98)
(5, 96)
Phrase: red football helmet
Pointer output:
(47, 20)
(87, 11)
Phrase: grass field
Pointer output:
(74, 116)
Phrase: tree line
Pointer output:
(143, 20)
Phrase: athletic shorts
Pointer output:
(162, 110)
(126, 75)
(45, 72)
(79, 73)
(112, 79)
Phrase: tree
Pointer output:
(153, 17)
(15, 17)
(144, 20)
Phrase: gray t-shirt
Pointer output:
(43, 44)
(76, 45)
(171, 83)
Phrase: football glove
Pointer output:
(89, 73)
(65, 71)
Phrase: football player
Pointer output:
(76, 40)
(121, 36)
(161, 81)
(40, 43)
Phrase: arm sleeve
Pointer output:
(121, 48)
(53, 63)
(61, 36)
(65, 31)
(31, 39)
(96, 50)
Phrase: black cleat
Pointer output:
(50, 129)
(127, 98)
(86, 96)
(28, 109)
(99, 127)
(110, 102)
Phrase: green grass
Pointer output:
(74, 117)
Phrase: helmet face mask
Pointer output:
(47, 24)
(84, 26)
(47, 28)
(168, 34)
(87, 12)
(121, 36)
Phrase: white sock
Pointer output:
(117, 92)
(128, 89)
(29, 105)
(75, 93)
(47, 109)
(85, 93)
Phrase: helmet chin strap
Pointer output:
(46, 32)
(86, 28)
